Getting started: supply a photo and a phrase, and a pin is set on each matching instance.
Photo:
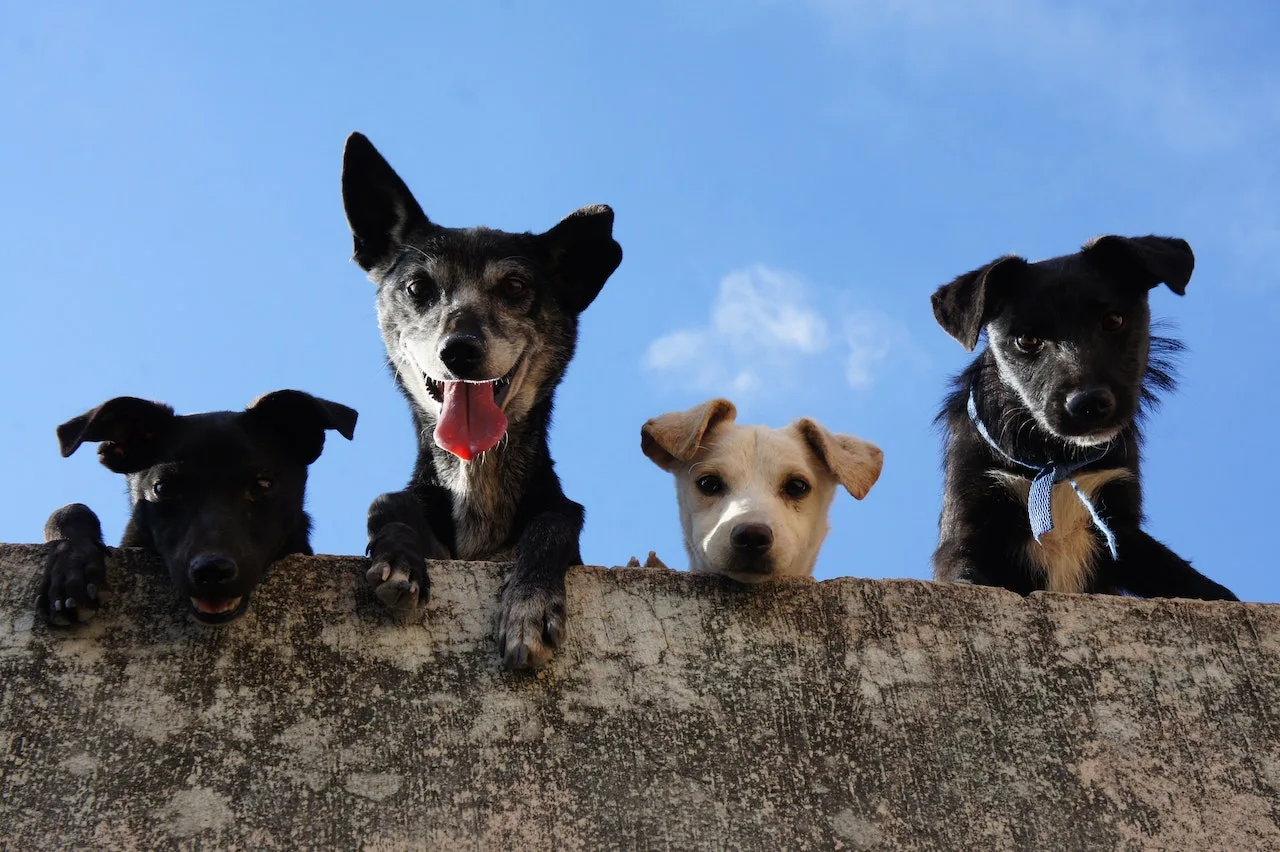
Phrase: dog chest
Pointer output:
(1065, 555)
(483, 511)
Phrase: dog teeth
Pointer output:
(434, 388)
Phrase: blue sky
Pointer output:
(791, 181)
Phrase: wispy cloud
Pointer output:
(763, 332)
(1149, 71)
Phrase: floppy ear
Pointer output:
(1148, 261)
(961, 307)
(856, 463)
(672, 439)
(583, 253)
(300, 420)
(381, 210)
(130, 430)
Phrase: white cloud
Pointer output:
(762, 332)
(869, 338)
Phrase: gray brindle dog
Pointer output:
(479, 326)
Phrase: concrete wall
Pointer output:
(683, 714)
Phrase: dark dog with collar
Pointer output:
(1042, 428)
(479, 327)
(217, 496)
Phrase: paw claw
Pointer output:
(531, 626)
(399, 593)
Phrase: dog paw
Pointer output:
(531, 624)
(398, 568)
(398, 584)
(75, 573)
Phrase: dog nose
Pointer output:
(463, 354)
(1090, 405)
(212, 570)
(757, 537)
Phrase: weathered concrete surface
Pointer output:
(682, 714)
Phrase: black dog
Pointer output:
(479, 327)
(1043, 437)
(217, 496)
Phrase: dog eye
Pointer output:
(512, 287)
(710, 484)
(796, 488)
(1029, 343)
(162, 488)
(260, 487)
(1113, 322)
(418, 288)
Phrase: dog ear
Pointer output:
(962, 306)
(129, 429)
(300, 420)
(856, 463)
(672, 439)
(1148, 261)
(381, 210)
(583, 254)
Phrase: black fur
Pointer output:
(218, 496)
(1057, 381)
(513, 299)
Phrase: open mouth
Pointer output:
(218, 610)
(472, 419)
(501, 386)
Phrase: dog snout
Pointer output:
(210, 570)
(1090, 406)
(751, 538)
(463, 354)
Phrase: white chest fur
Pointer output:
(1065, 555)
(482, 510)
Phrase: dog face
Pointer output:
(753, 501)
(1069, 335)
(479, 324)
(219, 495)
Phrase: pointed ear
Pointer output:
(583, 253)
(381, 210)
(1147, 261)
(962, 306)
(673, 439)
(300, 420)
(129, 429)
(855, 463)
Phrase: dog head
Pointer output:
(753, 500)
(219, 495)
(1070, 335)
(479, 324)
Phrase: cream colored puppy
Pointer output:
(754, 500)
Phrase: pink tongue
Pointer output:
(470, 422)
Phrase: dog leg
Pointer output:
(1150, 569)
(531, 613)
(75, 567)
(400, 542)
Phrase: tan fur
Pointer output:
(674, 438)
(855, 462)
(1065, 554)
(755, 464)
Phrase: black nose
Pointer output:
(212, 570)
(463, 354)
(756, 537)
(1091, 405)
